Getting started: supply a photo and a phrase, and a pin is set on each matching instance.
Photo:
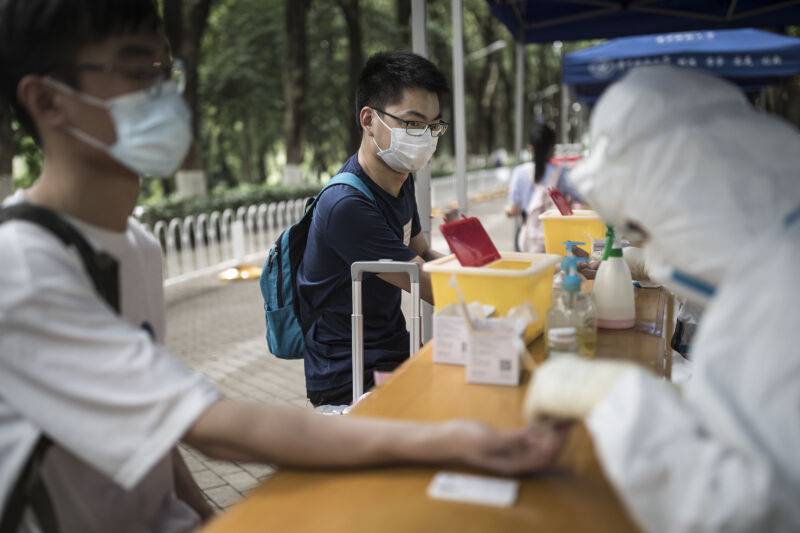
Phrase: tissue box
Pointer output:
(449, 337)
(493, 353)
(450, 334)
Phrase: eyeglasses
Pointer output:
(417, 128)
(154, 75)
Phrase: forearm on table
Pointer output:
(402, 281)
(287, 436)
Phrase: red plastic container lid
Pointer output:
(470, 242)
(560, 201)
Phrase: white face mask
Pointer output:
(153, 131)
(407, 153)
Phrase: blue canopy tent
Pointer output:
(543, 21)
(751, 58)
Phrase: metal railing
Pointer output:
(207, 243)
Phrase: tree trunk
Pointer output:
(355, 60)
(295, 84)
(247, 150)
(185, 23)
(404, 23)
(6, 152)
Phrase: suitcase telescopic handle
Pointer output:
(357, 271)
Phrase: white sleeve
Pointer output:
(87, 378)
(723, 457)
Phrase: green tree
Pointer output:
(185, 22)
(241, 116)
(295, 83)
(6, 152)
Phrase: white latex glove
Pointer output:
(568, 387)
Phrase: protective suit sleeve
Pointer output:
(722, 457)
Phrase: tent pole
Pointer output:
(419, 41)
(564, 119)
(419, 45)
(459, 114)
(520, 101)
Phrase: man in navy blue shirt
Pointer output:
(397, 106)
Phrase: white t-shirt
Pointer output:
(113, 400)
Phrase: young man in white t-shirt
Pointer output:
(91, 79)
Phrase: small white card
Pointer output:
(466, 488)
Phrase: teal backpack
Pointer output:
(285, 331)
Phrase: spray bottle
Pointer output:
(571, 322)
(613, 288)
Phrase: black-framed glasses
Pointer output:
(154, 74)
(417, 128)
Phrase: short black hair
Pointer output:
(387, 74)
(44, 37)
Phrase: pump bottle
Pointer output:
(558, 280)
(571, 322)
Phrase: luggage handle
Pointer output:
(384, 266)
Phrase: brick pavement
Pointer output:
(217, 328)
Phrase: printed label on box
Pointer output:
(493, 358)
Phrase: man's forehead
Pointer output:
(144, 46)
(418, 104)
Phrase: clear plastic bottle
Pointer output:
(573, 311)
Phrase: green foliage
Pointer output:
(241, 99)
(28, 164)
(240, 90)
(167, 209)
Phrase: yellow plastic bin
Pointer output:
(582, 226)
(505, 283)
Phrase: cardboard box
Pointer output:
(493, 353)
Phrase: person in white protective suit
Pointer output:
(680, 161)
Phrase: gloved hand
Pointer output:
(568, 387)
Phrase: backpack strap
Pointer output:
(103, 270)
(346, 178)
(101, 267)
(29, 489)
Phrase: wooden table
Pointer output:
(572, 497)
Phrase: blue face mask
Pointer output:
(153, 130)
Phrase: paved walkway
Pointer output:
(217, 328)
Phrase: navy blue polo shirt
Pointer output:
(348, 227)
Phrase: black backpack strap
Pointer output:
(101, 267)
(29, 489)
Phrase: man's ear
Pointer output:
(44, 104)
(365, 117)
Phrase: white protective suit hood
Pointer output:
(685, 156)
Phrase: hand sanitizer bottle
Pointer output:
(613, 289)
(558, 279)
(571, 322)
